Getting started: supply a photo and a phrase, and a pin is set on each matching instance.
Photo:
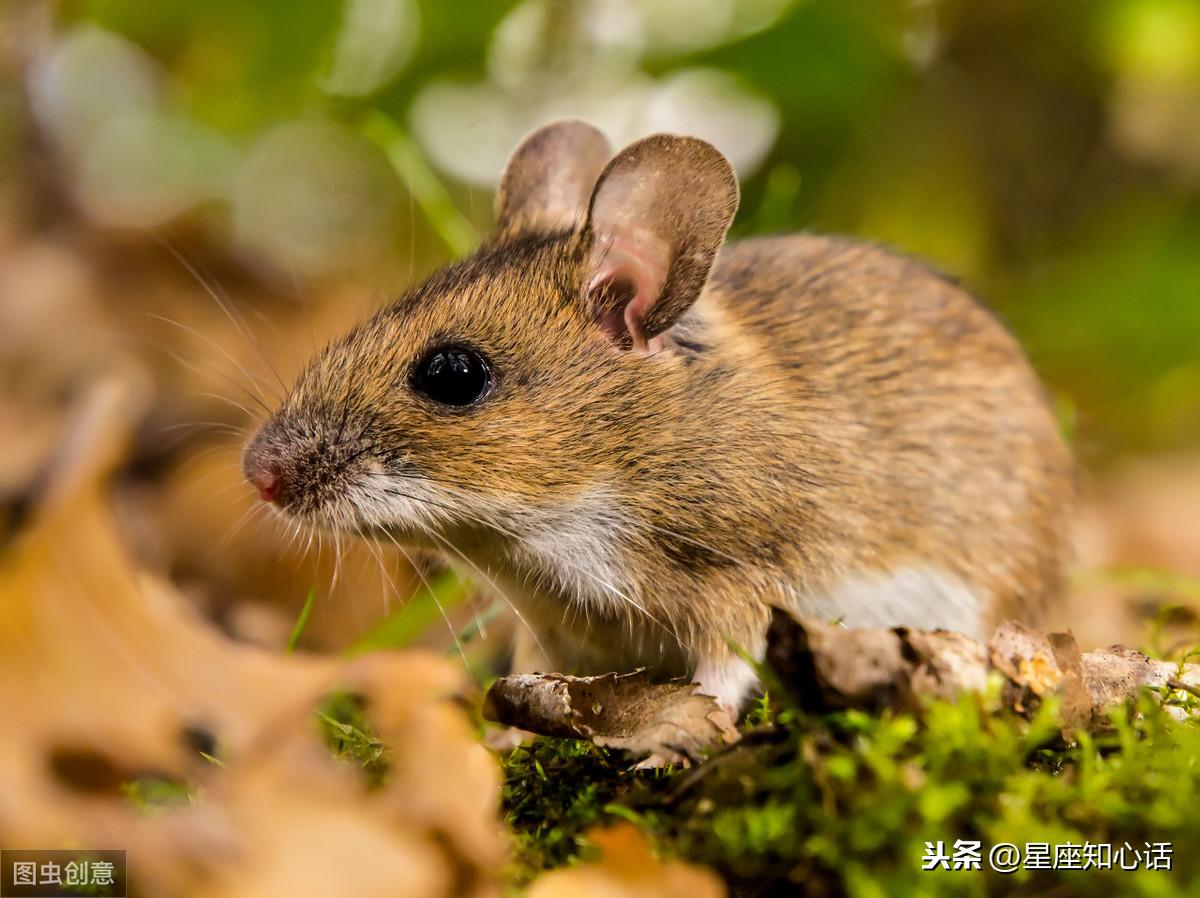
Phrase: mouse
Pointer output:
(646, 436)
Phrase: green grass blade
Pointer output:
(416, 615)
(476, 625)
(421, 181)
(301, 621)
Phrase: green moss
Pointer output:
(845, 802)
(151, 794)
(342, 718)
(554, 790)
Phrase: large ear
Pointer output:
(657, 218)
(548, 180)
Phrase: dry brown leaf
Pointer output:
(627, 869)
(106, 675)
(828, 666)
(667, 721)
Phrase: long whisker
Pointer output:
(433, 595)
(629, 600)
(577, 569)
(295, 535)
(217, 426)
(416, 568)
(385, 578)
(449, 546)
(222, 301)
(337, 560)
(231, 402)
(262, 397)
(390, 490)
(250, 514)
(196, 369)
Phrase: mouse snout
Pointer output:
(302, 469)
(264, 470)
(266, 481)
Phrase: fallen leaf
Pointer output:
(627, 868)
(668, 721)
(826, 667)
(107, 676)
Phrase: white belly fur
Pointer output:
(912, 596)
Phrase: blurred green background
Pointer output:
(1048, 153)
(314, 157)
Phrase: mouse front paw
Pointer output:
(727, 678)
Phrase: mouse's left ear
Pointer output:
(547, 182)
(657, 218)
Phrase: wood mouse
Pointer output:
(645, 437)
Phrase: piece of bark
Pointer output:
(667, 721)
(945, 662)
(827, 666)
(1076, 704)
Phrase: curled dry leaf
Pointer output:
(828, 666)
(664, 721)
(107, 677)
(627, 869)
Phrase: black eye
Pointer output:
(453, 375)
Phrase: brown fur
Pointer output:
(825, 409)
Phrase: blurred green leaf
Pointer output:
(418, 613)
(424, 185)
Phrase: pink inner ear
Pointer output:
(627, 283)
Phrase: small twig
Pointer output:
(1176, 683)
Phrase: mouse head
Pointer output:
(534, 375)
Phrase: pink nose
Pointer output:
(266, 481)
